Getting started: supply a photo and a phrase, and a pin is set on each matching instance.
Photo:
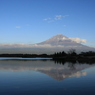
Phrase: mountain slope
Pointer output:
(55, 44)
(60, 40)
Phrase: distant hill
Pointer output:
(55, 44)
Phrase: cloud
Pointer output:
(48, 20)
(14, 45)
(57, 17)
(22, 45)
(46, 46)
(18, 27)
(78, 40)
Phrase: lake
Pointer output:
(45, 77)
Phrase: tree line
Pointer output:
(70, 54)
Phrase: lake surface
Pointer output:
(46, 77)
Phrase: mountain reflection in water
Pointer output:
(46, 77)
(55, 70)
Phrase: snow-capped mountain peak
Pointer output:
(58, 40)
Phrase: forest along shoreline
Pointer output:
(70, 55)
(73, 56)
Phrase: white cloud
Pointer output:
(59, 17)
(14, 45)
(46, 46)
(22, 45)
(18, 27)
(78, 40)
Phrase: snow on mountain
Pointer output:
(55, 44)
(60, 40)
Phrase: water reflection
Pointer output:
(45, 77)
(58, 71)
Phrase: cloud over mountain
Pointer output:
(78, 40)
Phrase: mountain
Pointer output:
(55, 44)
(60, 40)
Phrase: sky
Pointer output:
(34, 21)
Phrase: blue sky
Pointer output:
(33, 21)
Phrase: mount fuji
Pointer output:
(55, 44)
(60, 40)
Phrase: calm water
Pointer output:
(45, 77)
